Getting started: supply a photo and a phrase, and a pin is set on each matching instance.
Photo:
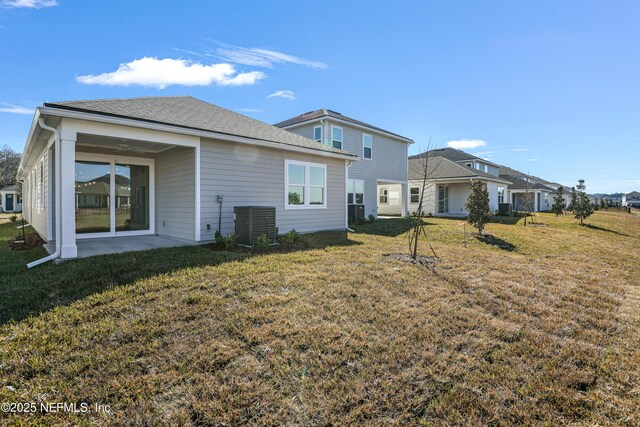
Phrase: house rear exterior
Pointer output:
(449, 174)
(377, 185)
(173, 167)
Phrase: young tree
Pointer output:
(9, 162)
(603, 204)
(425, 167)
(478, 206)
(528, 198)
(558, 202)
(582, 208)
(573, 200)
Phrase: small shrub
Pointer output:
(290, 238)
(219, 238)
(372, 218)
(262, 242)
(13, 218)
(230, 241)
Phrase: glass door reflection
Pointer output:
(132, 197)
(93, 197)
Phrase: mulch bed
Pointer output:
(427, 261)
(32, 241)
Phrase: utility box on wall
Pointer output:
(252, 221)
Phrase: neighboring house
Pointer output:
(377, 185)
(449, 176)
(631, 199)
(167, 166)
(10, 200)
(540, 191)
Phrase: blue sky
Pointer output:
(548, 87)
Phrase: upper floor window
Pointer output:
(336, 137)
(317, 133)
(306, 184)
(367, 145)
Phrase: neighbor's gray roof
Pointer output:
(323, 112)
(514, 175)
(9, 188)
(192, 113)
(442, 168)
(520, 184)
(448, 153)
(633, 194)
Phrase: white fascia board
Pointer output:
(187, 131)
(28, 144)
(347, 123)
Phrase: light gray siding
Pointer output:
(35, 204)
(388, 160)
(175, 193)
(255, 176)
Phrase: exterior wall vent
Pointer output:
(252, 221)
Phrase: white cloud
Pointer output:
(286, 94)
(161, 73)
(257, 57)
(520, 149)
(463, 144)
(15, 109)
(532, 160)
(30, 4)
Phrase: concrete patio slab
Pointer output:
(112, 245)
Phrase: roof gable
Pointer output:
(326, 113)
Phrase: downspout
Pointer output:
(56, 192)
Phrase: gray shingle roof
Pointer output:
(323, 112)
(9, 188)
(192, 113)
(518, 183)
(448, 153)
(442, 168)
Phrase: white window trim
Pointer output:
(363, 146)
(321, 134)
(354, 193)
(112, 161)
(379, 195)
(307, 185)
(411, 188)
(341, 140)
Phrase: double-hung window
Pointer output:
(355, 192)
(414, 195)
(500, 194)
(367, 145)
(306, 185)
(336, 137)
(383, 196)
(317, 134)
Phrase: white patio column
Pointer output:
(67, 197)
(536, 196)
(404, 199)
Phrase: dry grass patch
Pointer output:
(339, 334)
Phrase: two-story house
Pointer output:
(631, 199)
(447, 174)
(377, 184)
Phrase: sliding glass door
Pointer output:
(93, 194)
(113, 196)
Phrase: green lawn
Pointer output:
(535, 325)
